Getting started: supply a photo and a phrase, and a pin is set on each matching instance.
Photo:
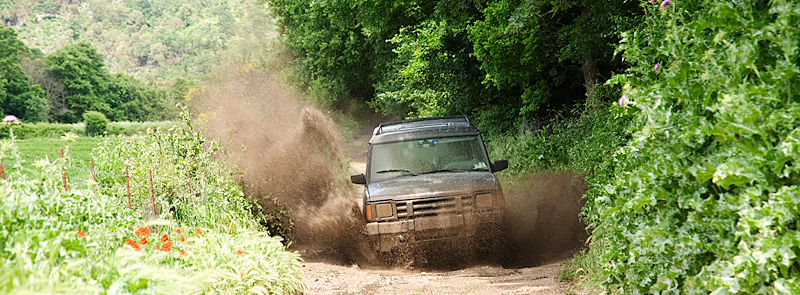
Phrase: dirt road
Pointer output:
(329, 276)
(323, 278)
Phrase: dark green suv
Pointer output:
(429, 180)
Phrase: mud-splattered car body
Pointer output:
(429, 180)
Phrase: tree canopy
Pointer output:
(17, 95)
(501, 62)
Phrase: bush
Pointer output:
(575, 144)
(56, 130)
(48, 130)
(95, 122)
(706, 196)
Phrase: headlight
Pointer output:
(484, 200)
(384, 210)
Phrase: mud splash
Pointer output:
(543, 222)
(289, 151)
(542, 226)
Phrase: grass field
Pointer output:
(32, 149)
(80, 151)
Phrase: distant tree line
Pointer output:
(63, 85)
(502, 62)
(153, 40)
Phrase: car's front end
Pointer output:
(429, 180)
(433, 207)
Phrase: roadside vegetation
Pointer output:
(685, 128)
(682, 116)
(203, 239)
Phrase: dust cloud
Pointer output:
(542, 226)
(543, 223)
(289, 151)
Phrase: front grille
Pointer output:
(434, 206)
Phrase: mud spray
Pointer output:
(288, 151)
(543, 222)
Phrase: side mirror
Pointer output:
(361, 179)
(499, 165)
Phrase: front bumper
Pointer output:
(385, 236)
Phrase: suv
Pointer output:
(430, 179)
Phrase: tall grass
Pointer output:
(203, 240)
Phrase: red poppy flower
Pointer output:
(166, 246)
(81, 234)
(183, 239)
(238, 252)
(142, 231)
(143, 241)
(132, 244)
(164, 238)
(199, 231)
(183, 252)
(178, 231)
(158, 247)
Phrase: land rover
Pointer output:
(429, 180)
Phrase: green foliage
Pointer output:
(132, 100)
(17, 95)
(79, 151)
(332, 53)
(199, 188)
(80, 69)
(153, 40)
(704, 199)
(42, 252)
(96, 122)
(89, 87)
(55, 130)
(500, 62)
(578, 143)
(75, 242)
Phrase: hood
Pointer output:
(429, 185)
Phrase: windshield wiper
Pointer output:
(444, 170)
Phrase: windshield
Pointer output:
(431, 155)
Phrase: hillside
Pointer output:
(156, 40)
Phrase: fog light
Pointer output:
(484, 200)
(384, 210)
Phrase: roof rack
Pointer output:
(443, 120)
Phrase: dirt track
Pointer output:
(326, 276)
(323, 278)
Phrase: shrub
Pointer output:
(576, 144)
(704, 199)
(95, 122)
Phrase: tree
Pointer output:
(80, 68)
(499, 61)
(17, 95)
(131, 100)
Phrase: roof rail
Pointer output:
(379, 130)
